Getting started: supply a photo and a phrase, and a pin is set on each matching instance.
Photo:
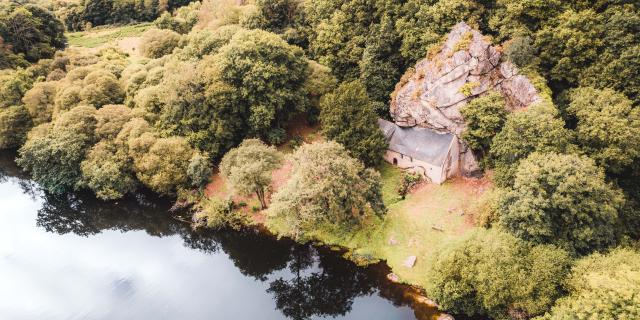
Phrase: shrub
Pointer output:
(217, 214)
(409, 180)
(164, 167)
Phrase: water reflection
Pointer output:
(302, 281)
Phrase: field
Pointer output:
(125, 37)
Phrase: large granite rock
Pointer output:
(465, 67)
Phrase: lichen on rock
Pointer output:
(465, 67)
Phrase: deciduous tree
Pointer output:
(563, 200)
(248, 168)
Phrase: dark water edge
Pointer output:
(244, 275)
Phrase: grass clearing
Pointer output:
(430, 216)
(391, 178)
(101, 36)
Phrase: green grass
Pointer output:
(391, 178)
(100, 36)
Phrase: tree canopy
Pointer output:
(348, 117)
(608, 127)
(249, 167)
(563, 200)
(602, 286)
(494, 274)
(327, 189)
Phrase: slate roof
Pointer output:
(419, 143)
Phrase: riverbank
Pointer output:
(404, 239)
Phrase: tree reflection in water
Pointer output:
(305, 281)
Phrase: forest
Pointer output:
(214, 86)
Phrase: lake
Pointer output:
(74, 257)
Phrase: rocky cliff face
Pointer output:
(465, 67)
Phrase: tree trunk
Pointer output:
(260, 194)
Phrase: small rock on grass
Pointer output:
(409, 262)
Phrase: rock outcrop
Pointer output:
(465, 67)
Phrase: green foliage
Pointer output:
(602, 287)
(319, 83)
(14, 125)
(409, 180)
(164, 167)
(484, 117)
(182, 20)
(381, 64)
(101, 87)
(108, 171)
(347, 116)
(13, 85)
(248, 168)
(328, 190)
(218, 214)
(30, 31)
(199, 170)
(597, 49)
(467, 88)
(156, 43)
(39, 100)
(110, 120)
(273, 15)
(100, 12)
(512, 19)
(424, 23)
(199, 43)
(266, 76)
(521, 52)
(608, 127)
(525, 132)
(493, 273)
(53, 157)
(563, 200)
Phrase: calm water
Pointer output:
(72, 257)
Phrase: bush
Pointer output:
(110, 120)
(101, 87)
(536, 129)
(199, 170)
(156, 43)
(39, 100)
(617, 147)
(484, 117)
(409, 180)
(218, 214)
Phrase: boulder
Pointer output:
(465, 67)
